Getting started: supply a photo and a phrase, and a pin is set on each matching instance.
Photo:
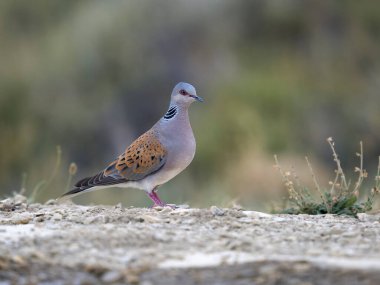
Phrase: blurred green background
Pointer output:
(277, 76)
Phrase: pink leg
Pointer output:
(156, 200)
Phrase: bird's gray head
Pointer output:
(184, 94)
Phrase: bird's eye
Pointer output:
(182, 92)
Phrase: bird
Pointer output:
(154, 158)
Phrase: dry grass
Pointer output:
(340, 197)
(44, 184)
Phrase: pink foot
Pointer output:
(157, 201)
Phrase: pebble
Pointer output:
(368, 218)
(133, 278)
(335, 231)
(111, 276)
(57, 217)
(19, 199)
(268, 269)
(149, 219)
(119, 206)
(330, 216)
(51, 202)
(183, 206)
(6, 204)
(217, 211)
(19, 260)
(166, 210)
(22, 218)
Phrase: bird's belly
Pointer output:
(153, 180)
(175, 164)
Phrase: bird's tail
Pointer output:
(74, 192)
(88, 184)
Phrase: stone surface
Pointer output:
(72, 244)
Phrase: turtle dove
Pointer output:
(156, 156)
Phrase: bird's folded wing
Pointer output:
(143, 157)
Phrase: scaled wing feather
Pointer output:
(143, 157)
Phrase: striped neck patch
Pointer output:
(171, 113)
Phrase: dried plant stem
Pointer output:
(73, 168)
(362, 173)
(57, 165)
(293, 194)
(37, 189)
(328, 206)
(339, 170)
(296, 178)
(68, 183)
(44, 184)
(23, 183)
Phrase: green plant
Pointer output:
(341, 198)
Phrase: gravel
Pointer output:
(72, 244)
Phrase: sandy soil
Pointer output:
(71, 244)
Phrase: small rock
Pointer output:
(268, 269)
(335, 231)
(57, 217)
(351, 233)
(237, 206)
(19, 199)
(279, 219)
(363, 217)
(216, 211)
(97, 219)
(146, 283)
(184, 206)
(39, 219)
(256, 214)
(167, 209)
(149, 219)
(119, 206)
(51, 202)
(19, 260)
(89, 220)
(368, 217)
(7, 205)
(111, 276)
(329, 216)
(133, 278)
(23, 218)
(34, 206)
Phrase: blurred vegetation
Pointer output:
(278, 77)
(341, 195)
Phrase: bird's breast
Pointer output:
(181, 152)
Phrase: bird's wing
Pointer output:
(143, 157)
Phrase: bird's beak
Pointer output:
(200, 99)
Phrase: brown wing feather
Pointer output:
(143, 157)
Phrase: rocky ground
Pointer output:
(71, 244)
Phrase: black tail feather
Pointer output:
(89, 182)
(72, 192)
